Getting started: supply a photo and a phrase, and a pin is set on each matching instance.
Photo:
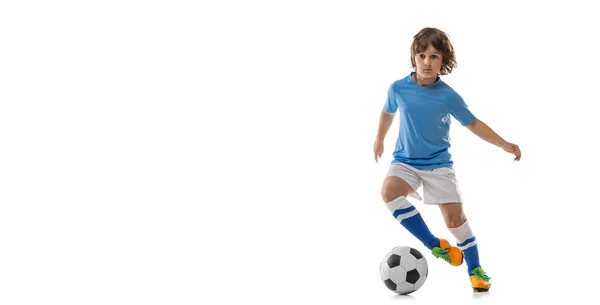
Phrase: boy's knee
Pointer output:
(389, 194)
(455, 221)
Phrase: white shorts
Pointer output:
(439, 184)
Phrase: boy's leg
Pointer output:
(458, 225)
(411, 219)
(468, 244)
(399, 183)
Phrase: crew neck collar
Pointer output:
(411, 81)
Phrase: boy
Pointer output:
(425, 104)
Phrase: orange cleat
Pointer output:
(449, 253)
(479, 280)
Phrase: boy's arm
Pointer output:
(483, 131)
(385, 121)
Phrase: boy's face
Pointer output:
(429, 63)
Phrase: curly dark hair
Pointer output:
(439, 40)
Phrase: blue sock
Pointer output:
(471, 257)
(411, 219)
(467, 242)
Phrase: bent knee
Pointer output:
(454, 223)
(454, 220)
(394, 187)
(389, 193)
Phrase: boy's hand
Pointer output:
(378, 150)
(513, 149)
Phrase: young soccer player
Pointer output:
(421, 158)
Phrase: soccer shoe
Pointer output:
(479, 280)
(451, 254)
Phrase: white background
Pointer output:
(177, 152)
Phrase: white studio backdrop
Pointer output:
(220, 152)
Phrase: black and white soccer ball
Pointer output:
(403, 270)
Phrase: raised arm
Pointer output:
(483, 131)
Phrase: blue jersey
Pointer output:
(423, 140)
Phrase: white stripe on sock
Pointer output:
(407, 215)
(469, 245)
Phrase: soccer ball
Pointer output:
(403, 270)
